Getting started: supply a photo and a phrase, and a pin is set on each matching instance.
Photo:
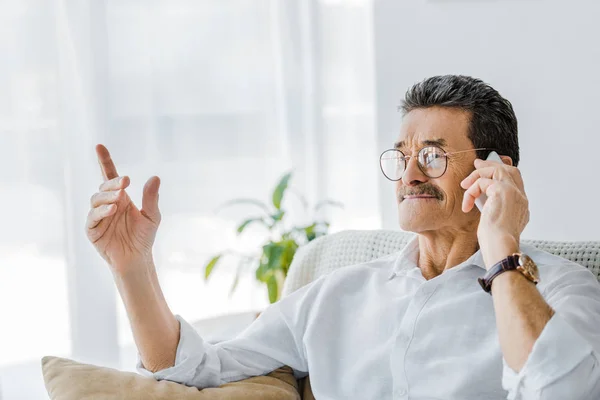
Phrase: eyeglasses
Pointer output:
(432, 161)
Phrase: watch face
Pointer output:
(528, 267)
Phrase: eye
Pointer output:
(435, 159)
(431, 157)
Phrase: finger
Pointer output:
(120, 182)
(494, 172)
(109, 197)
(96, 215)
(502, 171)
(479, 163)
(481, 186)
(109, 171)
(150, 199)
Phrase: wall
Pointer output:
(543, 57)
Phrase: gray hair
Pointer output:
(493, 122)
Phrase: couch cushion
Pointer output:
(69, 380)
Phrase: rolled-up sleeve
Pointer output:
(274, 339)
(564, 362)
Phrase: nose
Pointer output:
(413, 175)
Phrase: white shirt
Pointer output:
(379, 330)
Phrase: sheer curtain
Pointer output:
(217, 98)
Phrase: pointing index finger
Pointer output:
(109, 171)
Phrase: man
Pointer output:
(413, 325)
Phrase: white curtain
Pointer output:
(218, 98)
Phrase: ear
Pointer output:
(507, 160)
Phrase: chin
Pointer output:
(419, 219)
(417, 226)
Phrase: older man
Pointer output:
(461, 313)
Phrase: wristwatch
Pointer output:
(518, 261)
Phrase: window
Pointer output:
(219, 99)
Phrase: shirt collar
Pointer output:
(407, 258)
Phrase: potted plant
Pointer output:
(273, 261)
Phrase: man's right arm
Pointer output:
(273, 340)
(169, 348)
(124, 235)
(155, 328)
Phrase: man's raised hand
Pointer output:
(122, 233)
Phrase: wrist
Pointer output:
(135, 272)
(138, 281)
(508, 279)
(498, 249)
(133, 266)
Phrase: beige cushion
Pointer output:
(69, 380)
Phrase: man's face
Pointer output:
(449, 128)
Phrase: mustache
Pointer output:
(427, 190)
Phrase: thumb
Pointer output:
(150, 199)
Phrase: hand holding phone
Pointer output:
(480, 201)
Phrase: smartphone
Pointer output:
(480, 201)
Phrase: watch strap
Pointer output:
(509, 263)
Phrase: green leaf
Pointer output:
(211, 265)
(277, 252)
(270, 261)
(310, 232)
(247, 222)
(255, 202)
(267, 249)
(263, 273)
(287, 250)
(274, 264)
(278, 216)
(272, 288)
(314, 230)
(288, 255)
(280, 190)
(324, 203)
(260, 272)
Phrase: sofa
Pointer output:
(67, 379)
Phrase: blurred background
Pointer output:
(220, 99)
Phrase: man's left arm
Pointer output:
(550, 346)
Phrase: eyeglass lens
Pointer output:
(432, 162)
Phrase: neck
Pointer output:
(439, 251)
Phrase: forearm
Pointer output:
(521, 315)
(521, 311)
(155, 328)
(268, 343)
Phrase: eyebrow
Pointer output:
(436, 142)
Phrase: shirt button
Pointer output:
(400, 391)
